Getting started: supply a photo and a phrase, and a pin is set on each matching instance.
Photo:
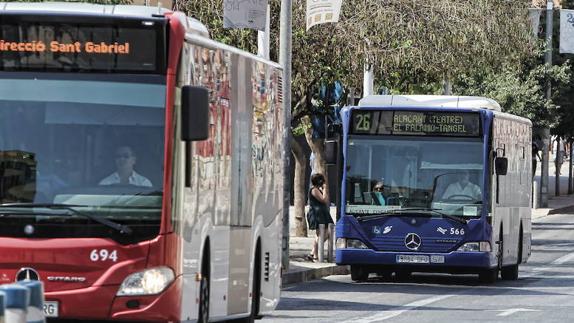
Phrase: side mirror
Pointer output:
(331, 152)
(194, 113)
(501, 165)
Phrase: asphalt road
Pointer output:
(544, 291)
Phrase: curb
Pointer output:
(564, 209)
(309, 274)
(558, 210)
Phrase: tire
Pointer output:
(255, 289)
(203, 312)
(359, 274)
(403, 275)
(488, 276)
(520, 241)
(509, 273)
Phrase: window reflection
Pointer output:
(384, 174)
(63, 142)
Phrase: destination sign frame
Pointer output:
(415, 123)
(87, 44)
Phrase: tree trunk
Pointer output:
(318, 148)
(299, 189)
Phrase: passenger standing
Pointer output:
(319, 211)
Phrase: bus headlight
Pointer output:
(482, 246)
(148, 282)
(350, 243)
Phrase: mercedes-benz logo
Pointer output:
(413, 241)
(27, 274)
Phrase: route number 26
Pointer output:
(363, 122)
(103, 255)
(457, 231)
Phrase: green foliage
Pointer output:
(210, 13)
(567, 4)
(519, 92)
(421, 42)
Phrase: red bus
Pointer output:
(140, 165)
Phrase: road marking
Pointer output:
(420, 303)
(408, 307)
(515, 310)
(545, 268)
(562, 260)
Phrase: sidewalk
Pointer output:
(556, 204)
(301, 269)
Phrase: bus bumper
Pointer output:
(437, 262)
(94, 304)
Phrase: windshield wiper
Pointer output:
(378, 215)
(435, 211)
(123, 229)
(396, 212)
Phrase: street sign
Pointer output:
(245, 14)
(322, 11)
(566, 31)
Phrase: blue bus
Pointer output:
(433, 184)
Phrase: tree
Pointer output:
(518, 91)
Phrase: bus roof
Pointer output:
(442, 101)
(75, 8)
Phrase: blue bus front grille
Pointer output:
(398, 244)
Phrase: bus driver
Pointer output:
(125, 159)
(378, 197)
(462, 188)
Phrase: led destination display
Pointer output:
(371, 122)
(57, 47)
(118, 46)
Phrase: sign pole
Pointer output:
(546, 131)
(285, 61)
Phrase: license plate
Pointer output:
(51, 309)
(413, 259)
(437, 259)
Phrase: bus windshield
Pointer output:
(387, 173)
(94, 145)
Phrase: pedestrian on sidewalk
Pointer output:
(537, 145)
(559, 160)
(318, 211)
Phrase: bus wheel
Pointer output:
(403, 275)
(255, 291)
(358, 273)
(509, 273)
(489, 276)
(203, 316)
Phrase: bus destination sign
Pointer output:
(110, 46)
(443, 123)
